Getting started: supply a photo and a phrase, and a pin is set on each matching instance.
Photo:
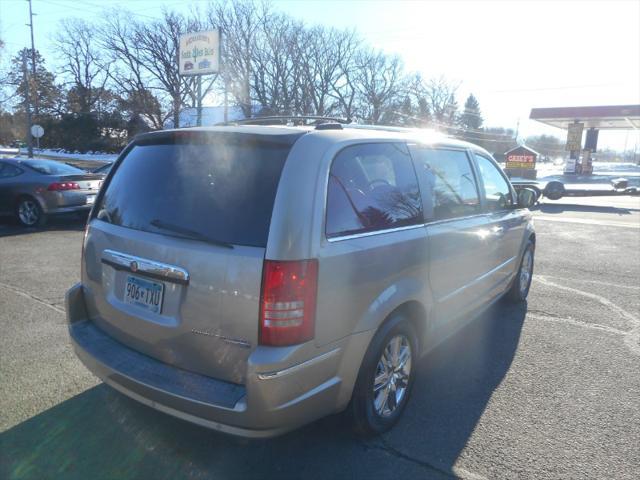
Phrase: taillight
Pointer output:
(58, 186)
(288, 302)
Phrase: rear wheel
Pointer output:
(29, 212)
(386, 378)
(521, 284)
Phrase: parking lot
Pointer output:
(549, 389)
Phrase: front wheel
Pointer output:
(386, 378)
(30, 213)
(522, 283)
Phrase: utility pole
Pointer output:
(33, 56)
(28, 106)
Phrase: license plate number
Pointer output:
(91, 199)
(144, 294)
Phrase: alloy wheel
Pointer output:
(28, 212)
(392, 375)
(525, 271)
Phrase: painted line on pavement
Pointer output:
(631, 338)
(586, 221)
(577, 323)
(595, 282)
(25, 294)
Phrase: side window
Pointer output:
(372, 187)
(452, 189)
(8, 171)
(496, 189)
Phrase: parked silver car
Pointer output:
(33, 189)
(252, 279)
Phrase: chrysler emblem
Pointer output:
(133, 266)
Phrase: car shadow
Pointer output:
(454, 386)
(9, 226)
(553, 208)
(103, 434)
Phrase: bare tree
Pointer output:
(158, 44)
(323, 55)
(441, 97)
(275, 79)
(343, 87)
(83, 64)
(128, 75)
(379, 78)
(275, 61)
(239, 23)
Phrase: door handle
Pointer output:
(498, 231)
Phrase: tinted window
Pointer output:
(50, 167)
(372, 187)
(496, 189)
(221, 187)
(8, 171)
(452, 190)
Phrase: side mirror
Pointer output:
(527, 197)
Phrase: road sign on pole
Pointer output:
(37, 131)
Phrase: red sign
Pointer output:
(521, 161)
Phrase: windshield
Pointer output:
(51, 167)
(220, 190)
(104, 168)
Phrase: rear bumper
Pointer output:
(81, 208)
(270, 403)
(66, 201)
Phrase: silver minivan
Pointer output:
(252, 279)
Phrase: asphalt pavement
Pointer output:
(549, 389)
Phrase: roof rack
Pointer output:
(297, 120)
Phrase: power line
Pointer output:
(100, 8)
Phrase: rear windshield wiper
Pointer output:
(188, 233)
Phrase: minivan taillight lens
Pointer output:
(58, 186)
(288, 302)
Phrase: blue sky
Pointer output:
(513, 55)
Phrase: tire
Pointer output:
(29, 212)
(522, 282)
(554, 190)
(370, 414)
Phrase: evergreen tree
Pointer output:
(42, 87)
(471, 117)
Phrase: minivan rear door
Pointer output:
(175, 246)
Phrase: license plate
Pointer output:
(143, 293)
(91, 199)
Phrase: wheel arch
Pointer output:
(417, 315)
(26, 195)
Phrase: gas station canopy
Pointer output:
(614, 117)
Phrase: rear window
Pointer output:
(221, 188)
(51, 167)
